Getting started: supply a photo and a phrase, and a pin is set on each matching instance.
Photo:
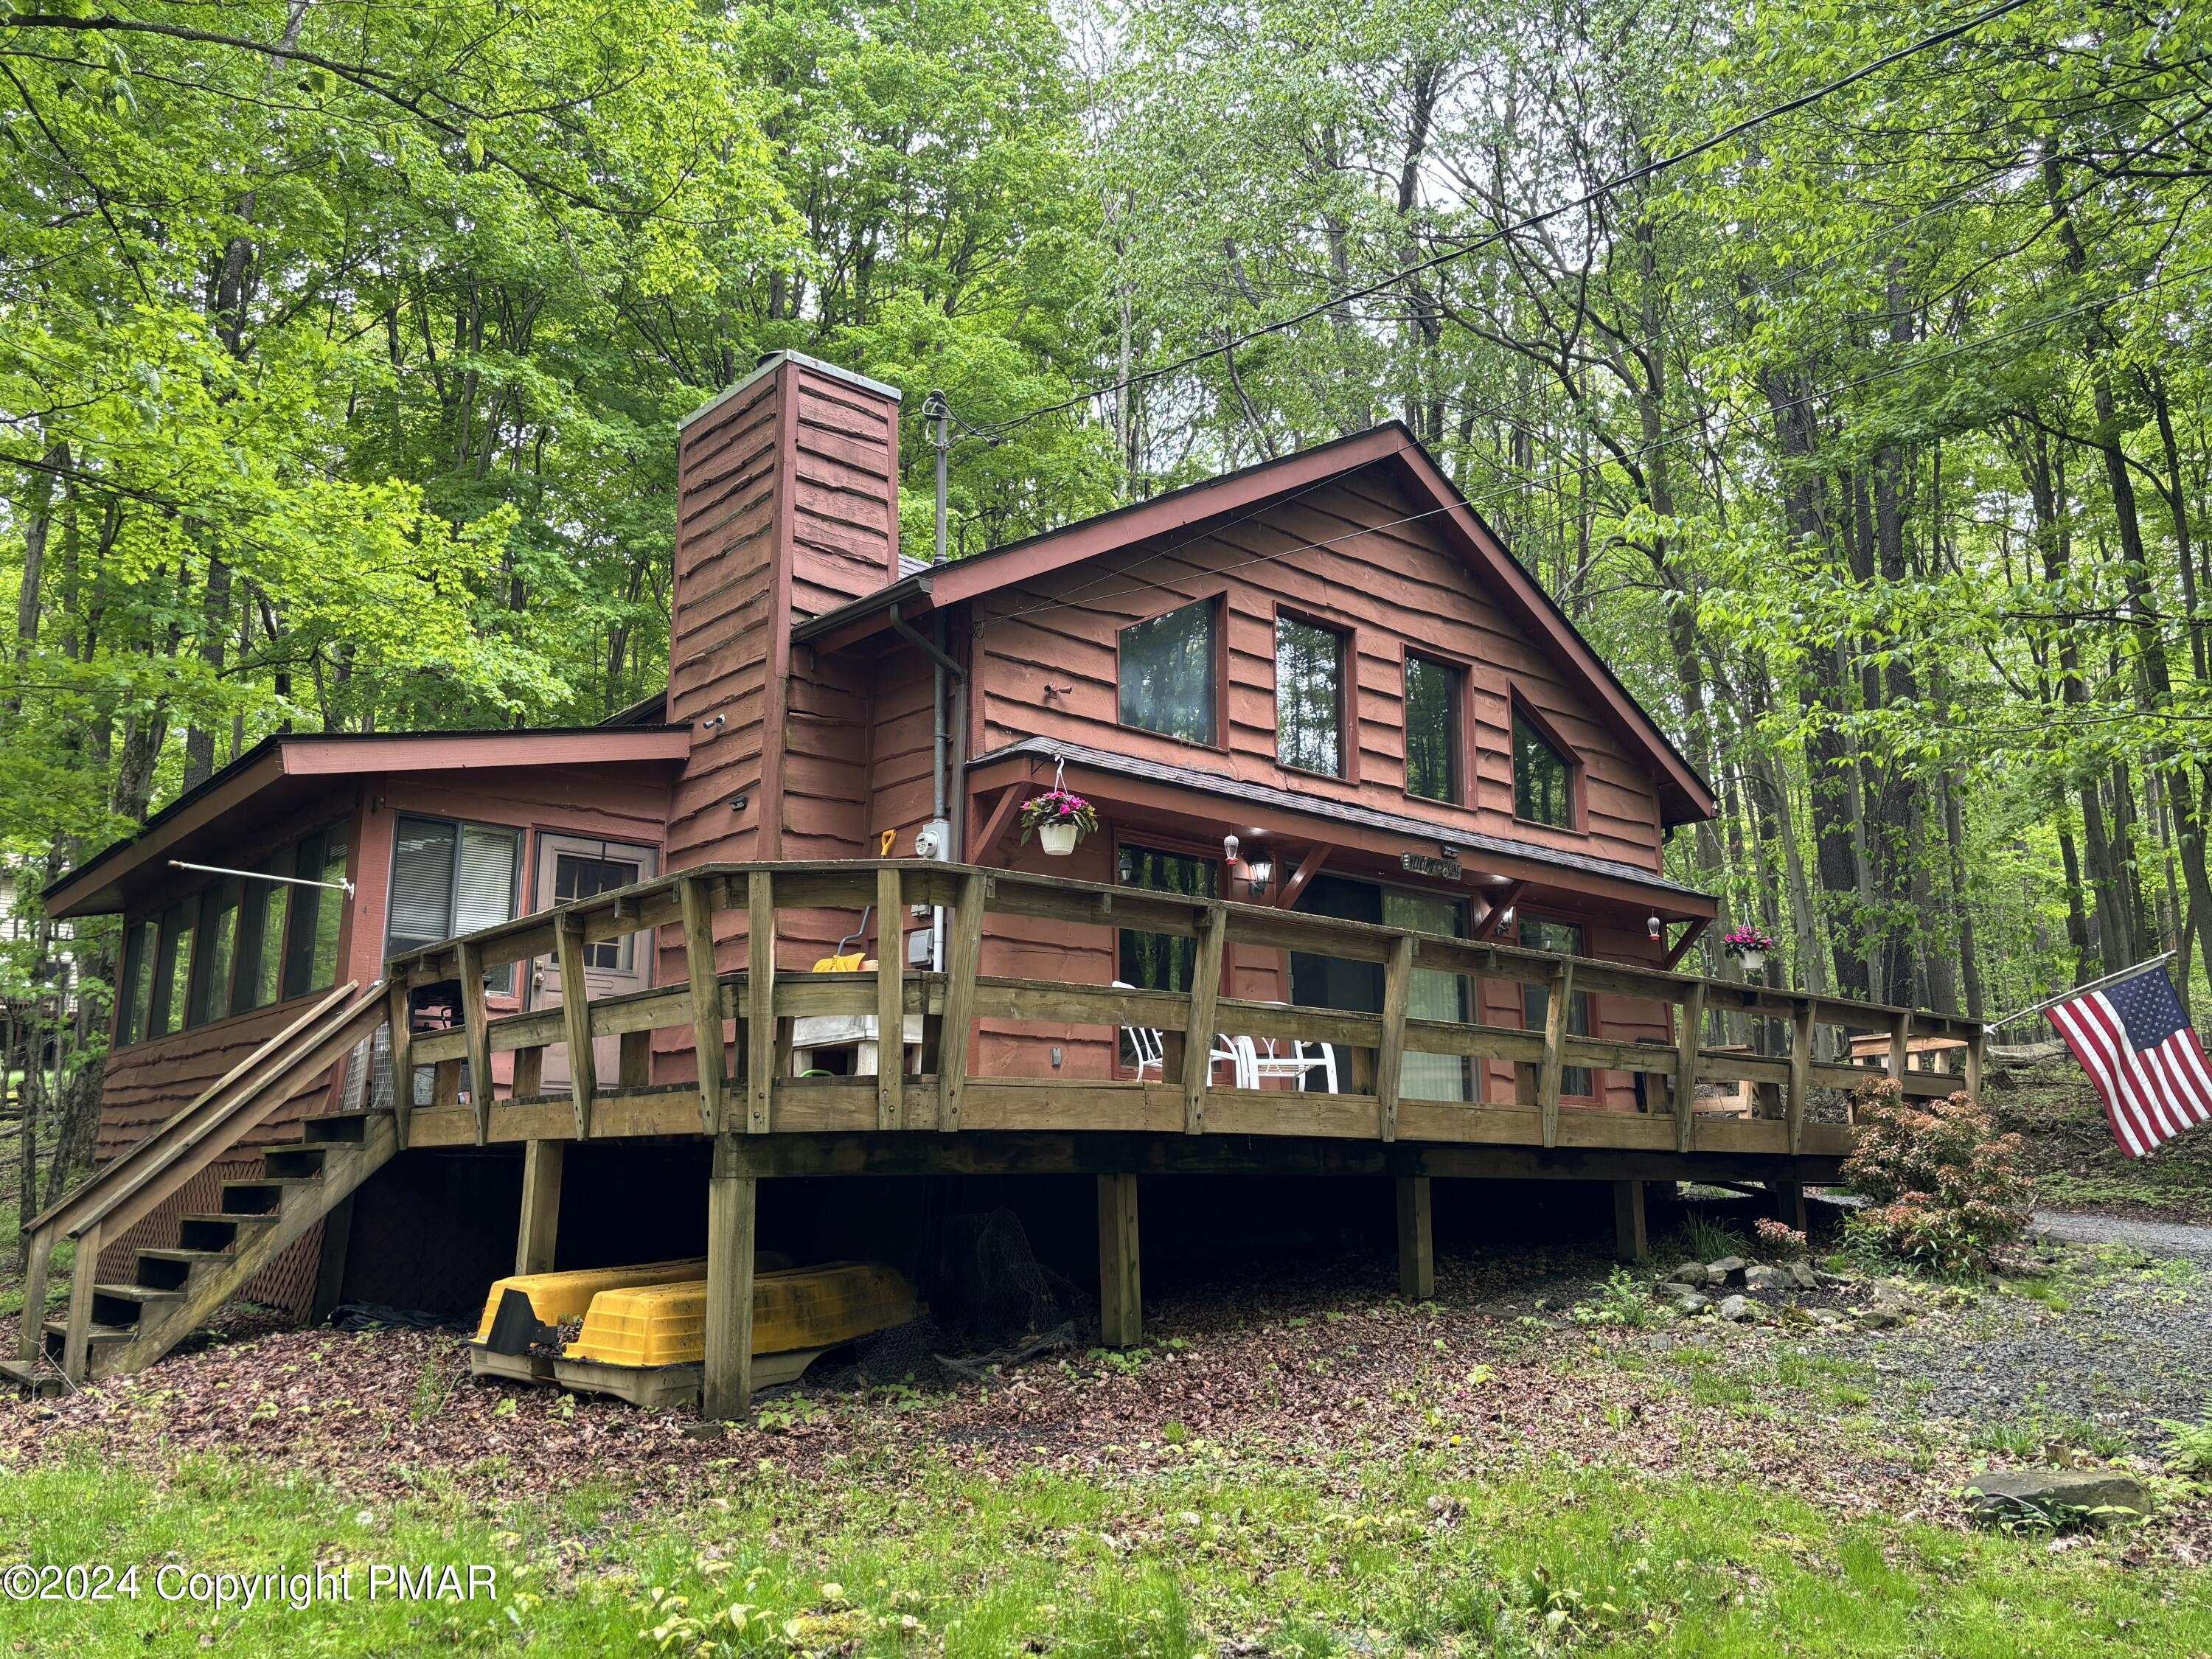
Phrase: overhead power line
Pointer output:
(1619, 181)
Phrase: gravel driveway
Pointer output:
(2158, 1238)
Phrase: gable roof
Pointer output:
(1683, 794)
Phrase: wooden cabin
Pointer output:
(1380, 860)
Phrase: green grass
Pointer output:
(1395, 1553)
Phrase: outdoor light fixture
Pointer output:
(1505, 917)
(1261, 869)
(1652, 926)
(1229, 849)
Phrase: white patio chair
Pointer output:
(1303, 1060)
(1146, 1043)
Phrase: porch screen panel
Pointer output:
(137, 984)
(330, 914)
(1565, 939)
(1168, 673)
(172, 970)
(260, 973)
(1435, 995)
(210, 996)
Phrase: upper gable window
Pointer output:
(1432, 701)
(1543, 778)
(1168, 673)
(1309, 696)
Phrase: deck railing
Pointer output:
(743, 1019)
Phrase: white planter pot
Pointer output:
(1753, 961)
(1058, 840)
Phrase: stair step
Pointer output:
(172, 1269)
(218, 1232)
(22, 1374)
(262, 1196)
(344, 1128)
(295, 1163)
(178, 1253)
(95, 1334)
(138, 1293)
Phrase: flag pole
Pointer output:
(2077, 991)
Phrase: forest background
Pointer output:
(342, 344)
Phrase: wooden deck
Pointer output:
(752, 1094)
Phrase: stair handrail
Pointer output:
(100, 1192)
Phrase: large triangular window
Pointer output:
(1543, 778)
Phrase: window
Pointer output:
(1433, 699)
(218, 931)
(173, 967)
(1543, 779)
(1168, 674)
(448, 879)
(577, 877)
(1434, 994)
(1308, 697)
(1565, 939)
(311, 942)
(1162, 962)
(261, 969)
(137, 988)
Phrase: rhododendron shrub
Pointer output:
(1941, 1186)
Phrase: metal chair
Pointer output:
(1146, 1042)
(1303, 1060)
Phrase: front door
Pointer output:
(572, 867)
(1353, 987)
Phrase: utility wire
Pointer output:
(1682, 434)
(1619, 181)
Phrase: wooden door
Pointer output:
(572, 867)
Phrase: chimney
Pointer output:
(786, 507)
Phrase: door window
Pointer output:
(1435, 995)
(577, 876)
(1563, 938)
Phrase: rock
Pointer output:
(1802, 1274)
(1675, 1290)
(2057, 1495)
(1888, 1295)
(1691, 1303)
(705, 1428)
(1764, 1279)
(1689, 1272)
(1877, 1318)
(1735, 1309)
(1829, 1319)
(1729, 1270)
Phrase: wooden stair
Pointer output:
(114, 1328)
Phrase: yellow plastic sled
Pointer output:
(555, 1297)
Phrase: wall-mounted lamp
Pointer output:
(738, 803)
(1505, 917)
(710, 722)
(1228, 848)
(1652, 926)
(1260, 870)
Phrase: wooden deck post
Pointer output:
(1120, 1280)
(576, 1019)
(762, 1049)
(541, 1206)
(31, 1337)
(890, 997)
(475, 1020)
(1789, 1203)
(1686, 1066)
(401, 1026)
(733, 1217)
(331, 1260)
(1390, 1053)
(1800, 1071)
(76, 1335)
(1630, 1242)
(696, 911)
(1417, 1247)
(1976, 1058)
(961, 962)
(1555, 1037)
(1198, 1035)
(1900, 1040)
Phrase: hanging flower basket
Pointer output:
(1059, 820)
(1748, 945)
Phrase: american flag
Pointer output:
(2132, 1038)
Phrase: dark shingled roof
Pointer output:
(1286, 800)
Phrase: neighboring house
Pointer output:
(1330, 658)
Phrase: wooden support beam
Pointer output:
(529, 1072)
(1198, 1035)
(446, 1082)
(1691, 933)
(1977, 1059)
(541, 1206)
(401, 1026)
(76, 1333)
(732, 1227)
(890, 996)
(1555, 1036)
(957, 1027)
(476, 1020)
(1900, 1045)
(1789, 1203)
(1417, 1246)
(1286, 895)
(1390, 1053)
(761, 1046)
(576, 1019)
(1690, 1033)
(1500, 903)
(1120, 1279)
(697, 909)
(1630, 1241)
(32, 1332)
(993, 829)
(1801, 1073)
(331, 1260)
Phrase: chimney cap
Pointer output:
(770, 362)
